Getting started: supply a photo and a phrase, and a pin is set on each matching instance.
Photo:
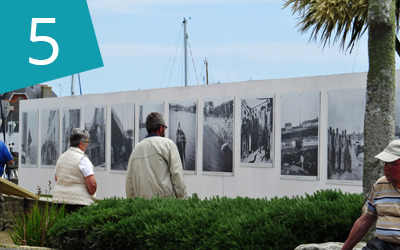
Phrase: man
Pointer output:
(5, 157)
(75, 181)
(154, 167)
(382, 206)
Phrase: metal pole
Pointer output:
(185, 36)
(72, 85)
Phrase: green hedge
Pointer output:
(216, 223)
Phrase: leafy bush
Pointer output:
(216, 223)
(32, 227)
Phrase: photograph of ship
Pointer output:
(218, 135)
(345, 134)
(299, 134)
(50, 136)
(122, 127)
(29, 140)
(256, 132)
(144, 110)
(182, 127)
(95, 124)
(71, 118)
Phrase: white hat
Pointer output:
(391, 152)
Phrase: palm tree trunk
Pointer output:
(380, 115)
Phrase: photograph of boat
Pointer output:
(256, 131)
(50, 136)
(299, 134)
(182, 126)
(144, 110)
(29, 140)
(95, 124)
(218, 135)
(346, 134)
(71, 118)
(122, 131)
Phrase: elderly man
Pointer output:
(155, 167)
(75, 182)
(382, 206)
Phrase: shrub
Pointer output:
(216, 223)
(32, 227)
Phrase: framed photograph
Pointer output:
(397, 111)
(122, 134)
(71, 118)
(29, 138)
(300, 134)
(144, 110)
(346, 109)
(95, 124)
(256, 132)
(183, 131)
(50, 137)
(218, 127)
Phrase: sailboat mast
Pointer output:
(72, 85)
(185, 37)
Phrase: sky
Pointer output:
(141, 43)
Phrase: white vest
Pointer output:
(71, 187)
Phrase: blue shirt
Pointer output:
(5, 156)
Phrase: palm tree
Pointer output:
(346, 21)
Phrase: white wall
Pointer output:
(245, 181)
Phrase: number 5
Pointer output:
(47, 39)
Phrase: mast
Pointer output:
(185, 37)
(206, 62)
(72, 85)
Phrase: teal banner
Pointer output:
(43, 40)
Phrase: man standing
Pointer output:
(382, 206)
(154, 167)
(5, 157)
(75, 181)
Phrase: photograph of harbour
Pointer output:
(218, 135)
(144, 110)
(122, 132)
(299, 133)
(71, 118)
(346, 109)
(50, 136)
(95, 124)
(256, 133)
(183, 131)
(29, 140)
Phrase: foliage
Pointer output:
(32, 227)
(279, 223)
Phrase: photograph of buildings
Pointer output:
(29, 139)
(50, 136)
(182, 127)
(144, 110)
(218, 135)
(122, 132)
(95, 124)
(71, 118)
(256, 133)
(346, 134)
(300, 134)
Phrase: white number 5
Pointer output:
(47, 39)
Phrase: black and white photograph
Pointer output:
(346, 109)
(256, 132)
(50, 136)
(183, 130)
(29, 138)
(299, 134)
(397, 111)
(71, 118)
(144, 110)
(218, 135)
(95, 124)
(122, 132)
